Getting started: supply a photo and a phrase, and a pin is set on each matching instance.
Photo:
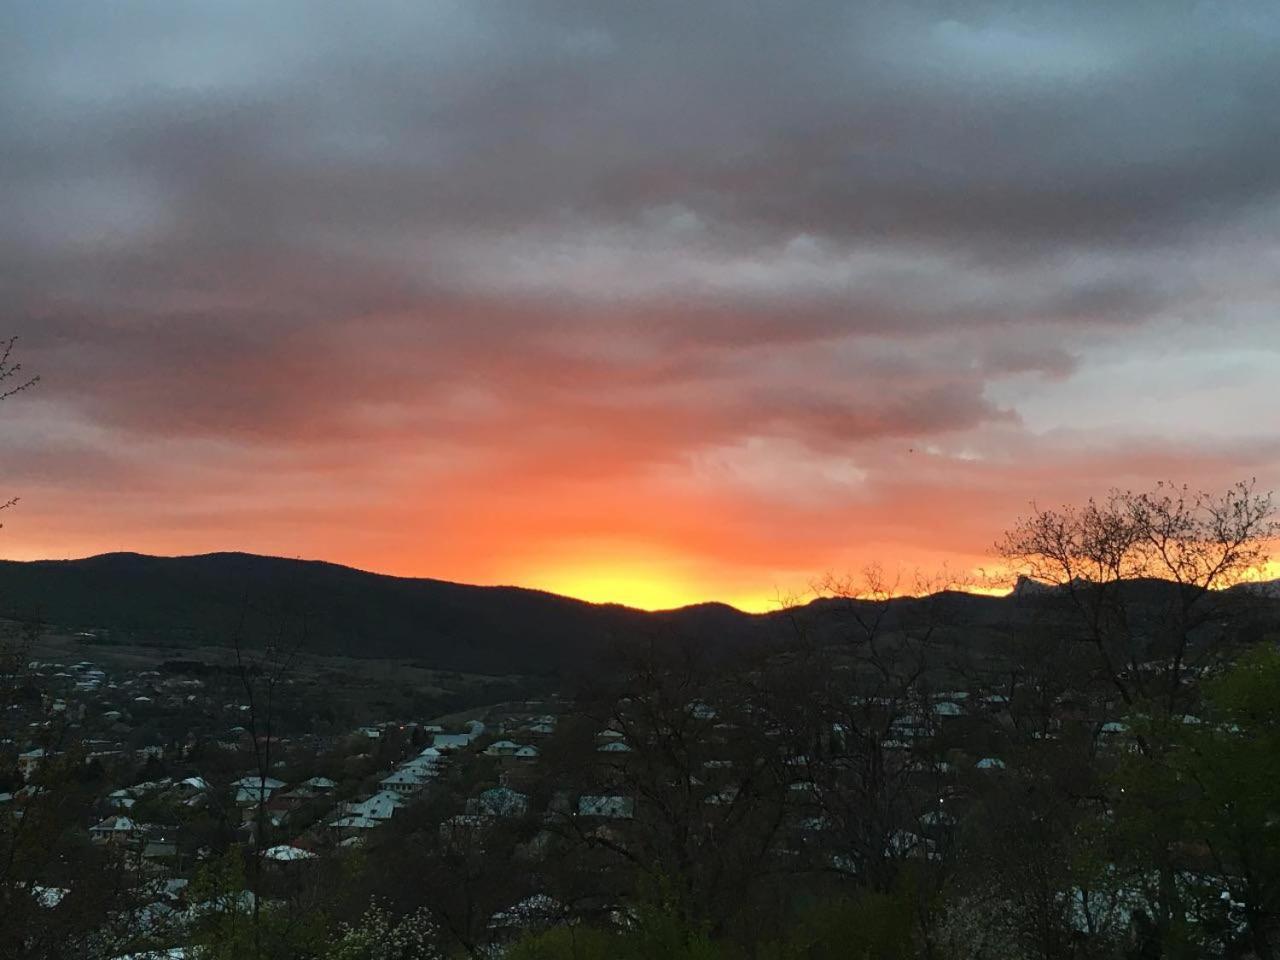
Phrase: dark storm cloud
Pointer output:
(608, 235)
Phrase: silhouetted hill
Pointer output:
(452, 626)
(207, 599)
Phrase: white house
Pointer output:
(380, 806)
(287, 854)
(121, 799)
(353, 824)
(502, 748)
(444, 742)
(407, 780)
(117, 829)
(253, 788)
(253, 779)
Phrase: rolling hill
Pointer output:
(336, 609)
(339, 610)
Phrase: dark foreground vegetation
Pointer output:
(1087, 769)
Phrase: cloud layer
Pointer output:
(712, 297)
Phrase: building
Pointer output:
(117, 829)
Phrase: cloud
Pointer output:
(547, 263)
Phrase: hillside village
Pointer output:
(115, 725)
(177, 778)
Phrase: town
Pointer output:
(932, 756)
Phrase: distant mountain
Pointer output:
(449, 626)
(1261, 588)
(1030, 587)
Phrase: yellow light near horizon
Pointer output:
(660, 583)
(641, 585)
(630, 588)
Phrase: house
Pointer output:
(121, 799)
(380, 806)
(117, 829)
(353, 825)
(509, 750)
(445, 742)
(502, 748)
(191, 787)
(428, 761)
(48, 897)
(253, 779)
(429, 765)
(427, 771)
(320, 783)
(249, 796)
(253, 789)
(408, 780)
(284, 853)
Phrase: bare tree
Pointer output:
(1141, 582)
(12, 381)
(1140, 577)
(261, 675)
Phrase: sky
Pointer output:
(653, 303)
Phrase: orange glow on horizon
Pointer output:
(642, 578)
(657, 560)
(642, 589)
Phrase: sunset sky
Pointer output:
(654, 303)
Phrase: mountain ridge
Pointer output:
(335, 609)
(208, 598)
